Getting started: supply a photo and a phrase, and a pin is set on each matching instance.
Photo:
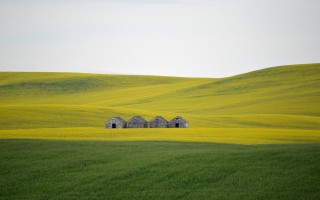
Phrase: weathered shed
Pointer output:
(116, 122)
(178, 122)
(137, 122)
(158, 122)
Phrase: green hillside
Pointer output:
(278, 97)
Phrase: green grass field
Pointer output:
(251, 136)
(157, 170)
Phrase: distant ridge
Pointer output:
(110, 72)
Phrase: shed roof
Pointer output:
(138, 118)
(181, 118)
(158, 117)
(118, 118)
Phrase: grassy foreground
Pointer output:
(157, 170)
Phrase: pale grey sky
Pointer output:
(202, 38)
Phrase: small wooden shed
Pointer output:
(178, 122)
(137, 122)
(158, 122)
(116, 122)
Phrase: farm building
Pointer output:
(158, 122)
(116, 122)
(178, 122)
(137, 122)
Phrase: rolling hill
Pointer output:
(279, 97)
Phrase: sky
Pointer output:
(193, 38)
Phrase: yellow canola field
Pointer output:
(273, 105)
(246, 136)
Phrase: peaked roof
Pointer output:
(137, 117)
(181, 118)
(158, 117)
(118, 118)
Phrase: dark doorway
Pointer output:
(177, 125)
(114, 126)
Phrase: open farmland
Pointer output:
(251, 136)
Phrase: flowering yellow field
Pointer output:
(211, 135)
(275, 105)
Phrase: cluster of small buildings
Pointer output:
(140, 122)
